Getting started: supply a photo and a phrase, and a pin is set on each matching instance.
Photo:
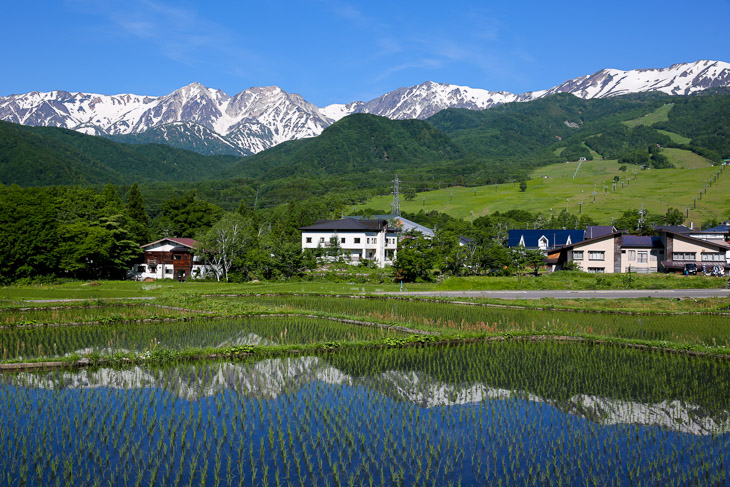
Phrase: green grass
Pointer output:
(661, 114)
(679, 139)
(684, 159)
(173, 293)
(656, 189)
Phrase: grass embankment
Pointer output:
(560, 186)
(119, 292)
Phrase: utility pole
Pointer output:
(641, 218)
(395, 206)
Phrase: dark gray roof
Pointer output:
(641, 241)
(719, 229)
(347, 224)
(593, 231)
(672, 228)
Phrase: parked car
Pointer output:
(690, 269)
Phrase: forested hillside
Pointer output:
(44, 156)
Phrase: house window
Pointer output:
(176, 257)
(577, 255)
(596, 270)
(643, 257)
(632, 255)
(168, 271)
(597, 255)
(141, 268)
(357, 240)
(713, 257)
(309, 239)
(321, 240)
(683, 256)
(342, 240)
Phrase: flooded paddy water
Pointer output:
(478, 414)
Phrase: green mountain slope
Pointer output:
(40, 156)
(533, 130)
(357, 143)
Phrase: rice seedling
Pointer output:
(479, 414)
(707, 330)
(98, 313)
(113, 338)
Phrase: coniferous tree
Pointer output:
(135, 205)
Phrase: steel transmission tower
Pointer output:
(395, 206)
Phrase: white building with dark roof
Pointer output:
(357, 239)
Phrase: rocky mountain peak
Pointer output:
(260, 117)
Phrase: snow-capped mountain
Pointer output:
(678, 79)
(261, 117)
(422, 101)
(250, 121)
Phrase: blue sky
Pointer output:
(334, 52)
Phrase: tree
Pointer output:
(139, 223)
(223, 243)
(135, 206)
(185, 215)
(410, 194)
(415, 259)
(534, 258)
(523, 186)
(673, 217)
(289, 260)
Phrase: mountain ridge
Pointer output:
(258, 118)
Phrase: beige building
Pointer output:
(681, 249)
(597, 255)
(668, 252)
(641, 254)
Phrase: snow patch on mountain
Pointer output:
(261, 117)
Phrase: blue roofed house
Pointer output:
(545, 240)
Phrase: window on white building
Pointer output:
(597, 270)
(632, 255)
(309, 239)
(596, 255)
(357, 240)
(683, 256)
(577, 255)
(643, 257)
(321, 240)
(342, 240)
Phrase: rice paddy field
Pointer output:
(307, 390)
(480, 414)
